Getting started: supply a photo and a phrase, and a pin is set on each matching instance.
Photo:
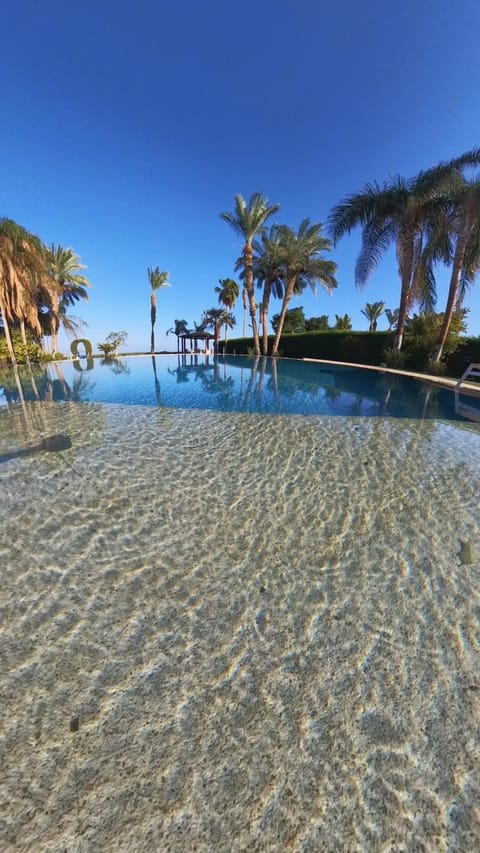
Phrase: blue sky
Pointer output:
(126, 129)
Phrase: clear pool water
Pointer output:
(237, 385)
(232, 620)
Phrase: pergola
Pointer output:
(194, 337)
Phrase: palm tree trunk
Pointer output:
(23, 333)
(405, 253)
(244, 297)
(286, 300)
(267, 289)
(8, 336)
(261, 380)
(402, 313)
(55, 320)
(153, 317)
(248, 255)
(452, 293)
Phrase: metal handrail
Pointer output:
(472, 412)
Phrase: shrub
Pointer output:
(421, 333)
(396, 360)
(113, 341)
(23, 353)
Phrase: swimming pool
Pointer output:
(230, 618)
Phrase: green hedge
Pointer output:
(361, 348)
(366, 347)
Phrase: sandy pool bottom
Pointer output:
(260, 626)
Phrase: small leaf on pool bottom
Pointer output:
(74, 724)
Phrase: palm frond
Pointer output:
(157, 278)
(376, 239)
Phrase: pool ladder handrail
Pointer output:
(472, 412)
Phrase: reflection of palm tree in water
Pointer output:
(251, 380)
(274, 379)
(180, 372)
(215, 384)
(157, 383)
(387, 384)
(61, 380)
(356, 408)
(116, 365)
(333, 393)
(261, 378)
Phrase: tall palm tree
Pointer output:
(157, 280)
(268, 270)
(302, 264)
(69, 286)
(248, 220)
(397, 211)
(180, 327)
(245, 306)
(23, 273)
(373, 311)
(240, 268)
(463, 226)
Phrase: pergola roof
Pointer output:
(196, 336)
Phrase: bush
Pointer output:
(396, 360)
(32, 351)
(112, 342)
(421, 334)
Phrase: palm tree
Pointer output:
(228, 322)
(215, 317)
(397, 211)
(69, 287)
(463, 225)
(302, 264)
(228, 291)
(240, 268)
(342, 323)
(373, 311)
(392, 317)
(248, 220)
(23, 273)
(245, 306)
(157, 280)
(180, 327)
(267, 264)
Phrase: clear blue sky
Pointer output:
(127, 128)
